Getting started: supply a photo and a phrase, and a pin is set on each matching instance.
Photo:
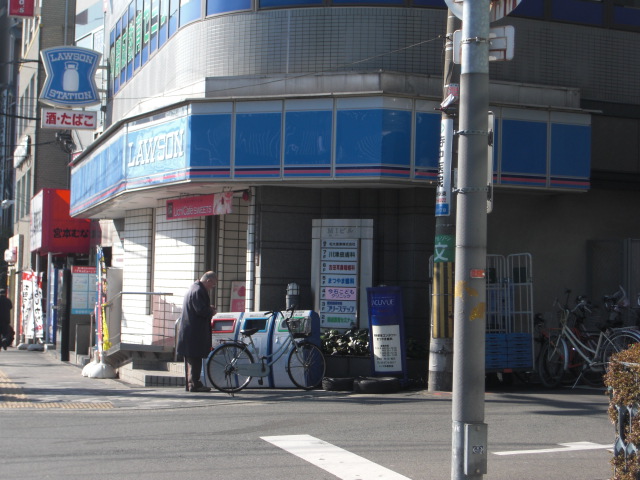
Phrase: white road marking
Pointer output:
(565, 447)
(335, 460)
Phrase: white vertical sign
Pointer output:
(443, 192)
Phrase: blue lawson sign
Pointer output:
(386, 331)
(70, 76)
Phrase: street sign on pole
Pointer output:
(502, 8)
(497, 8)
(501, 44)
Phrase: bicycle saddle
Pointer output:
(249, 331)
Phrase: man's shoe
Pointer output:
(200, 388)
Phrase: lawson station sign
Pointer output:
(70, 76)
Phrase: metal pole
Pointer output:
(441, 345)
(469, 432)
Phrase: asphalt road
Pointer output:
(58, 424)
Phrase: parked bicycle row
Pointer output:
(578, 352)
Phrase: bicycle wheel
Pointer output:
(306, 366)
(589, 374)
(618, 342)
(551, 363)
(222, 367)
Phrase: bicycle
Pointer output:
(577, 351)
(231, 365)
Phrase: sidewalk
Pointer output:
(32, 379)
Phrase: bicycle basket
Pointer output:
(300, 327)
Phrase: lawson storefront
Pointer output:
(289, 161)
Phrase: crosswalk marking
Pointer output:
(335, 460)
(564, 447)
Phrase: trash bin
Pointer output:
(224, 326)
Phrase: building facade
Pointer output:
(318, 115)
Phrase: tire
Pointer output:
(306, 366)
(591, 376)
(618, 342)
(588, 374)
(222, 367)
(376, 385)
(338, 384)
(551, 362)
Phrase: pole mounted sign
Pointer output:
(70, 77)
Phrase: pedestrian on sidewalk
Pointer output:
(6, 331)
(194, 336)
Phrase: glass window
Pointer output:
(515, 159)
(174, 16)
(530, 8)
(146, 30)
(155, 18)
(189, 11)
(428, 3)
(369, 2)
(223, 6)
(164, 22)
(131, 41)
(286, 3)
(578, 11)
(33, 102)
(570, 150)
(112, 60)
(124, 36)
(138, 57)
(626, 12)
(118, 60)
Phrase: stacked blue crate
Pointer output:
(496, 356)
(505, 351)
(519, 351)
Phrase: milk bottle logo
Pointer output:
(71, 77)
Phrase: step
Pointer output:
(153, 374)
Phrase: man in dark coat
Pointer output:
(6, 332)
(194, 336)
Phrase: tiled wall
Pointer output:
(232, 251)
(137, 248)
(170, 263)
(178, 262)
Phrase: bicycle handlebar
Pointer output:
(291, 309)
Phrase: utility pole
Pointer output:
(441, 345)
(469, 432)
